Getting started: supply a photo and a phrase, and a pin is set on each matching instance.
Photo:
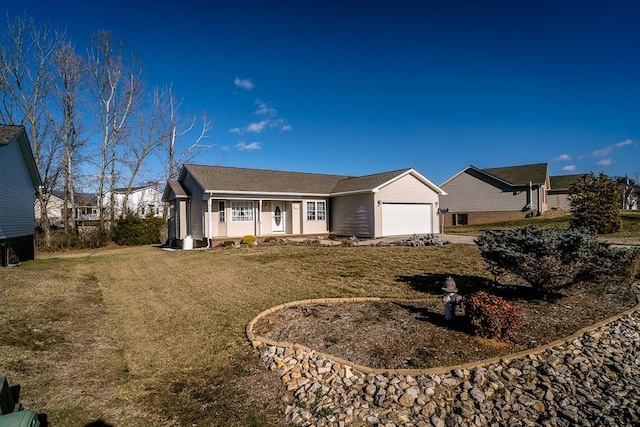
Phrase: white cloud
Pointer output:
(561, 158)
(245, 84)
(568, 168)
(286, 128)
(236, 131)
(605, 162)
(243, 146)
(265, 109)
(257, 127)
(602, 152)
(624, 143)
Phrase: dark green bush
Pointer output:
(544, 258)
(595, 203)
(133, 230)
(613, 267)
(270, 240)
(490, 316)
(228, 243)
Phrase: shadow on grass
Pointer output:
(98, 423)
(432, 283)
(424, 314)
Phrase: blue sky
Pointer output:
(359, 87)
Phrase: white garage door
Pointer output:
(402, 218)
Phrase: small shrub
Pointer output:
(351, 241)
(228, 243)
(332, 236)
(490, 316)
(249, 240)
(270, 240)
(544, 258)
(612, 267)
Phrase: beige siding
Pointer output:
(314, 226)
(296, 218)
(407, 189)
(559, 201)
(353, 215)
(471, 192)
(17, 195)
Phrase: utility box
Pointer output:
(11, 413)
(20, 419)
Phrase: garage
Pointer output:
(406, 218)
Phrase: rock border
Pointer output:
(258, 341)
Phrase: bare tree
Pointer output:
(26, 59)
(177, 128)
(175, 151)
(116, 86)
(69, 70)
(148, 137)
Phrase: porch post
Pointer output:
(210, 222)
(260, 217)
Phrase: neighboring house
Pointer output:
(55, 210)
(19, 180)
(476, 196)
(86, 209)
(558, 194)
(142, 201)
(214, 202)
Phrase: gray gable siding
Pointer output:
(194, 207)
(353, 215)
(473, 191)
(17, 194)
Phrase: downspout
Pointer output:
(530, 195)
(539, 199)
(210, 226)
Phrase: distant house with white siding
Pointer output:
(142, 200)
(19, 180)
(214, 202)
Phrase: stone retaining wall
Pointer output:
(592, 375)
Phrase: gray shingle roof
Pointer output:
(563, 182)
(367, 182)
(231, 179)
(178, 189)
(520, 175)
(8, 133)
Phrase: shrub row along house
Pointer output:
(215, 202)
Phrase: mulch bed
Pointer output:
(401, 334)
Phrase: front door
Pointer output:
(278, 217)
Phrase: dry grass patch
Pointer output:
(142, 336)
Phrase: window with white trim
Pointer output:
(316, 211)
(241, 211)
(221, 213)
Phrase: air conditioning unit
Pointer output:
(11, 413)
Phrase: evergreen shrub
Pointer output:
(133, 230)
(544, 258)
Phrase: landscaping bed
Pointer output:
(406, 334)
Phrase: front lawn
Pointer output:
(141, 336)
